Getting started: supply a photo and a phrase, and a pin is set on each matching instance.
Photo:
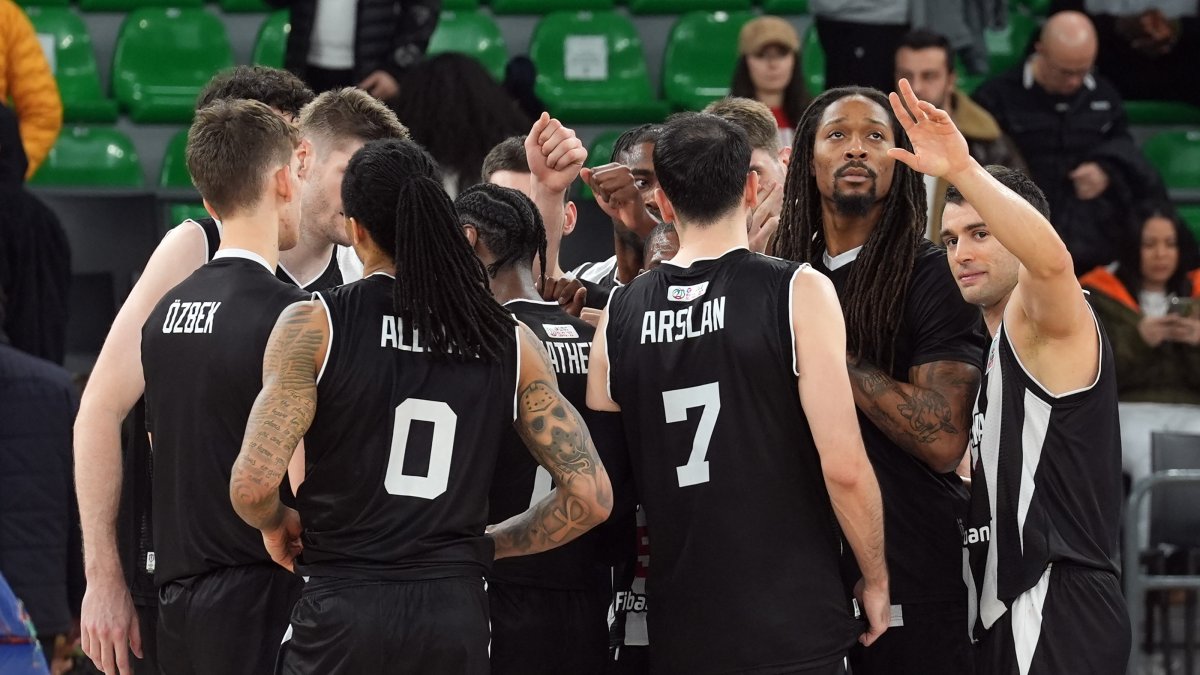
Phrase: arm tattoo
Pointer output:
(281, 415)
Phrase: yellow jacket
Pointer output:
(25, 77)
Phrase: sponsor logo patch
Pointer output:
(561, 331)
(686, 293)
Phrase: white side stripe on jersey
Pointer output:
(329, 342)
(990, 606)
(1027, 621)
(517, 380)
(1033, 438)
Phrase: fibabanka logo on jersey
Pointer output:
(686, 293)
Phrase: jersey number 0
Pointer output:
(437, 477)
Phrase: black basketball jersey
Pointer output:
(599, 278)
(400, 454)
(921, 508)
(1045, 479)
(519, 480)
(202, 355)
(745, 544)
(331, 277)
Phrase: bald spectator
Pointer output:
(26, 78)
(926, 60)
(1069, 124)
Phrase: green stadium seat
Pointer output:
(460, 5)
(591, 69)
(90, 157)
(181, 212)
(700, 56)
(242, 6)
(174, 173)
(27, 4)
(133, 5)
(1191, 216)
(812, 61)
(682, 6)
(1176, 155)
(1036, 7)
(271, 43)
(163, 58)
(474, 34)
(543, 7)
(785, 7)
(1006, 48)
(1161, 112)
(74, 65)
(599, 152)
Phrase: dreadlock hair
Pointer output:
(877, 289)
(277, 88)
(646, 133)
(508, 223)
(457, 111)
(392, 188)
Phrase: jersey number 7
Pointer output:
(676, 404)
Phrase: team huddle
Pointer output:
(389, 434)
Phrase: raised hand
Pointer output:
(616, 191)
(939, 148)
(554, 153)
(763, 219)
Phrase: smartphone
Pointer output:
(1183, 306)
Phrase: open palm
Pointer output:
(939, 148)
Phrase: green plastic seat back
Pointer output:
(474, 34)
(1162, 112)
(1191, 217)
(589, 77)
(1176, 155)
(812, 61)
(91, 157)
(174, 171)
(236, 6)
(28, 4)
(700, 57)
(271, 43)
(783, 7)
(1006, 47)
(185, 211)
(682, 6)
(542, 6)
(132, 5)
(163, 58)
(460, 5)
(74, 64)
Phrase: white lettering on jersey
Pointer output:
(687, 293)
(190, 317)
(561, 331)
(568, 358)
(393, 335)
(677, 325)
(975, 535)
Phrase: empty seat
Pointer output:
(74, 65)
(546, 6)
(1176, 155)
(591, 69)
(1006, 47)
(91, 157)
(174, 173)
(474, 34)
(812, 61)
(599, 152)
(681, 6)
(1161, 112)
(700, 57)
(271, 43)
(132, 5)
(163, 58)
(244, 6)
(780, 7)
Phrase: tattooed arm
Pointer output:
(930, 418)
(282, 413)
(559, 440)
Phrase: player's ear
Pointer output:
(570, 217)
(305, 153)
(750, 194)
(472, 234)
(664, 205)
(785, 155)
(283, 183)
(352, 230)
(211, 211)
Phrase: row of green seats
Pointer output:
(497, 6)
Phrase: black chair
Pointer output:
(1174, 538)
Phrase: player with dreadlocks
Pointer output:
(549, 612)
(402, 389)
(913, 348)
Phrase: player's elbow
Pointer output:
(846, 472)
(1054, 263)
(594, 496)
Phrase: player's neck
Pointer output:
(309, 257)
(843, 232)
(257, 232)
(513, 284)
(712, 240)
(374, 260)
(993, 316)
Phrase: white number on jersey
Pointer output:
(676, 404)
(444, 422)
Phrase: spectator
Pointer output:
(927, 61)
(459, 116)
(768, 70)
(357, 43)
(860, 39)
(26, 78)
(40, 552)
(35, 258)
(1070, 126)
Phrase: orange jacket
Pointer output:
(1103, 281)
(25, 77)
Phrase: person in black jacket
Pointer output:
(357, 43)
(1069, 124)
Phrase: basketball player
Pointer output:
(914, 347)
(403, 390)
(223, 605)
(624, 189)
(109, 627)
(753, 439)
(1045, 444)
(548, 612)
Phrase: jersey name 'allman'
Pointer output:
(190, 317)
(675, 325)
(393, 335)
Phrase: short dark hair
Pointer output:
(507, 155)
(1014, 180)
(277, 88)
(926, 39)
(350, 114)
(701, 162)
(754, 117)
(508, 224)
(230, 145)
(646, 133)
